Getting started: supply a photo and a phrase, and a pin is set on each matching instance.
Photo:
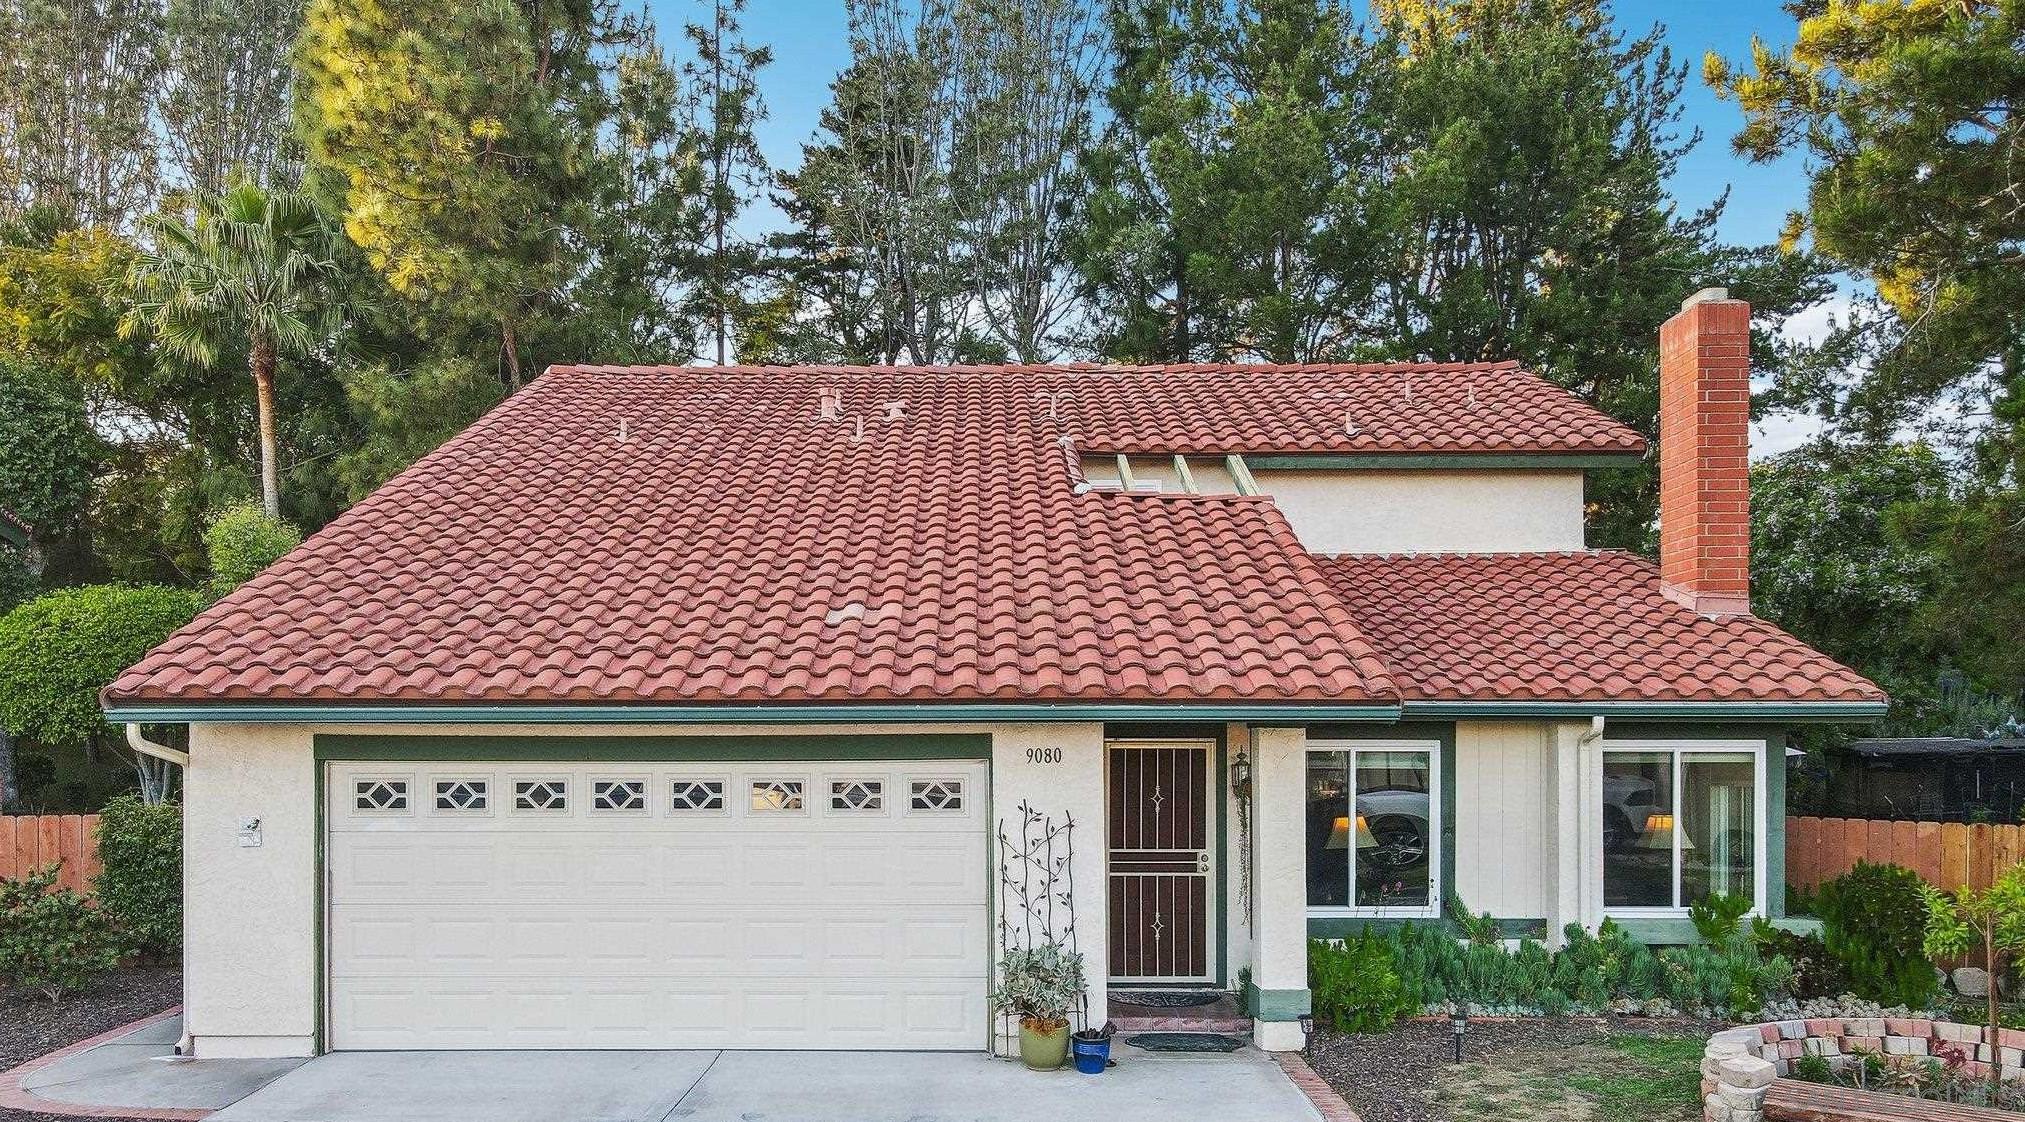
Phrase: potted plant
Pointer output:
(1040, 985)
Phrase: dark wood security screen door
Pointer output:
(1161, 864)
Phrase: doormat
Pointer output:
(1185, 1042)
(1163, 999)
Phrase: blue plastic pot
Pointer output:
(1092, 1056)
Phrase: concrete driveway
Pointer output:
(766, 1087)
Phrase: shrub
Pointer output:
(1040, 984)
(1813, 1069)
(1718, 918)
(1816, 973)
(1873, 921)
(241, 540)
(140, 880)
(51, 941)
(1355, 987)
(58, 650)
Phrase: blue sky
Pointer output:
(809, 48)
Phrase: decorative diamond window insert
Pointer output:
(776, 794)
(937, 794)
(857, 794)
(381, 794)
(619, 794)
(699, 794)
(541, 794)
(462, 794)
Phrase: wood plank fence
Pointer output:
(28, 841)
(1947, 854)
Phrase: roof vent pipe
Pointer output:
(830, 404)
(896, 410)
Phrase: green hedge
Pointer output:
(140, 880)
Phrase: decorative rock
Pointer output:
(1871, 1044)
(1904, 1046)
(1863, 1026)
(1792, 1030)
(1770, 1032)
(1824, 1027)
(2011, 1038)
(1822, 1046)
(1793, 1049)
(1742, 1071)
(1971, 981)
(1900, 1026)
(1714, 1109)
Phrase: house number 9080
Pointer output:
(1044, 755)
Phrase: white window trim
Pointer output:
(491, 794)
(1432, 909)
(1757, 750)
(885, 793)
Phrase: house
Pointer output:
(672, 707)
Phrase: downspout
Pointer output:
(1594, 734)
(1585, 835)
(148, 747)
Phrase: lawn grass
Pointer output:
(1660, 1075)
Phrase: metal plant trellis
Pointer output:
(1037, 895)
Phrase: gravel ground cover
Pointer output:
(30, 1026)
(1564, 1069)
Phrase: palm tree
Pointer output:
(253, 264)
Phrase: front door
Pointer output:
(1161, 865)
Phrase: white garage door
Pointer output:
(791, 905)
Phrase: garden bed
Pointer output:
(30, 1026)
(1534, 1069)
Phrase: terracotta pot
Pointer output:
(1044, 1051)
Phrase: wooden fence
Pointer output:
(1947, 854)
(31, 840)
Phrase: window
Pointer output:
(776, 795)
(461, 794)
(541, 794)
(935, 794)
(1681, 822)
(619, 794)
(1374, 829)
(380, 796)
(697, 794)
(857, 794)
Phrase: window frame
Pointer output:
(1437, 851)
(1680, 750)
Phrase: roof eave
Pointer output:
(425, 713)
(1808, 711)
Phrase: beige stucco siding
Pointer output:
(1430, 511)
(250, 970)
(1504, 861)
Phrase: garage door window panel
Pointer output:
(541, 796)
(619, 796)
(778, 796)
(380, 795)
(858, 796)
(933, 796)
(696, 796)
(462, 795)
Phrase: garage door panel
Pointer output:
(392, 941)
(856, 920)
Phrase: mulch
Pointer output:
(1389, 1076)
(30, 1026)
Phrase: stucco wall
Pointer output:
(249, 914)
(250, 928)
(1429, 511)
(1504, 852)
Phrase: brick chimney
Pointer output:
(1705, 454)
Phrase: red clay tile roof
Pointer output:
(1569, 627)
(693, 535)
(733, 547)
